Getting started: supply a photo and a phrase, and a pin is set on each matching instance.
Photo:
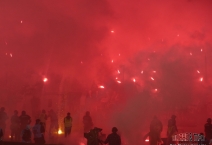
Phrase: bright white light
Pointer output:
(156, 90)
(198, 71)
(119, 82)
(60, 131)
(201, 50)
(147, 140)
(142, 72)
(134, 80)
(119, 72)
(152, 78)
(201, 79)
(45, 79)
(102, 87)
(112, 31)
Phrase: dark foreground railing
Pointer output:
(20, 143)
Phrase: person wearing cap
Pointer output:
(113, 138)
(68, 124)
(208, 130)
(172, 129)
(15, 126)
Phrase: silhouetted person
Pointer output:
(26, 134)
(53, 121)
(113, 138)
(87, 122)
(208, 130)
(93, 136)
(68, 124)
(156, 128)
(3, 118)
(24, 119)
(43, 118)
(172, 129)
(38, 132)
(15, 126)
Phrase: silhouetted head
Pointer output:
(114, 129)
(173, 116)
(68, 114)
(23, 113)
(87, 113)
(209, 120)
(15, 112)
(43, 111)
(37, 121)
(97, 129)
(2, 108)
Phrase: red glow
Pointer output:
(142, 72)
(152, 78)
(134, 80)
(198, 71)
(119, 72)
(112, 61)
(112, 31)
(201, 79)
